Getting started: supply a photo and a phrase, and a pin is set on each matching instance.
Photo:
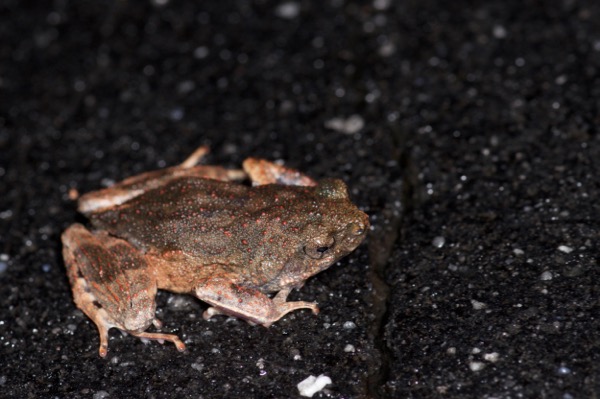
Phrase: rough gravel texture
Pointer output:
(467, 131)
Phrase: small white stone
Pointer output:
(546, 276)
(288, 10)
(100, 395)
(349, 325)
(382, 5)
(563, 370)
(564, 248)
(478, 305)
(499, 32)
(350, 125)
(476, 366)
(312, 385)
(491, 357)
(438, 241)
(349, 348)
(201, 52)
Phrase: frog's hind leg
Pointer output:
(111, 284)
(134, 186)
(263, 172)
(195, 158)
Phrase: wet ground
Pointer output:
(467, 132)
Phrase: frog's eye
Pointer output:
(356, 229)
(318, 250)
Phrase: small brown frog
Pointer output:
(200, 230)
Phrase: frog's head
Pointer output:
(342, 226)
(332, 228)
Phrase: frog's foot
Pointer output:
(263, 172)
(246, 303)
(161, 338)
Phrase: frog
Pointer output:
(239, 240)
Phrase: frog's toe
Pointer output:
(103, 350)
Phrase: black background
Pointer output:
(477, 162)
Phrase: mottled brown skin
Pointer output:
(191, 229)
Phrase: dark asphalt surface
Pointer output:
(467, 131)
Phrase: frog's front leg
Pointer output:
(112, 285)
(230, 298)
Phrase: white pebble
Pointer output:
(350, 125)
(100, 395)
(349, 325)
(546, 276)
(288, 10)
(201, 52)
(499, 32)
(313, 384)
(478, 305)
(564, 248)
(438, 241)
(382, 5)
(476, 366)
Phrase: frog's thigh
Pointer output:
(264, 172)
(249, 304)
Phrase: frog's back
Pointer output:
(159, 217)
(208, 219)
